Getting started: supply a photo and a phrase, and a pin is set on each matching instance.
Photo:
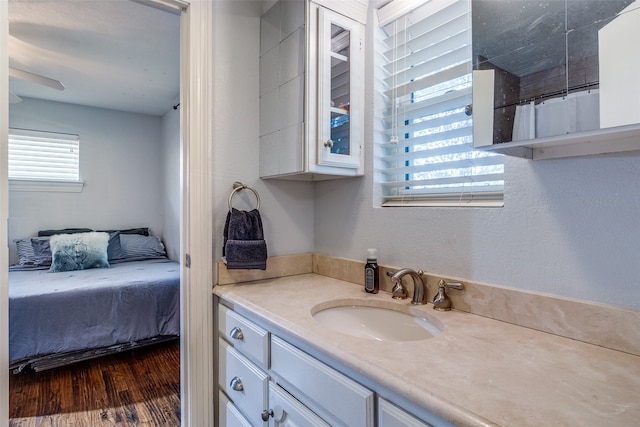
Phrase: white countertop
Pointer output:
(478, 371)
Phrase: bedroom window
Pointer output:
(44, 161)
(426, 157)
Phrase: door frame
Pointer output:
(196, 236)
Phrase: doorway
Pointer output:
(196, 227)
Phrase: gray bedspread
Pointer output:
(76, 310)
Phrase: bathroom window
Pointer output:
(44, 161)
(426, 150)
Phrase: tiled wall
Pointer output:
(581, 71)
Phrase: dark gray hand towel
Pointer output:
(244, 244)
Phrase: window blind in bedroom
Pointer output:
(43, 156)
(426, 153)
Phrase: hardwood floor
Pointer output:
(140, 387)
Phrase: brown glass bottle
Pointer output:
(371, 281)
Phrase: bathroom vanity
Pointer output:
(473, 371)
(263, 378)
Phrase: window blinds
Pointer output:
(43, 156)
(427, 150)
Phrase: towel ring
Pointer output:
(238, 186)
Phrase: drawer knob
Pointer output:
(278, 415)
(266, 414)
(236, 333)
(236, 384)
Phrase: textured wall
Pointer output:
(569, 227)
(286, 207)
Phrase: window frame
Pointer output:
(468, 196)
(45, 184)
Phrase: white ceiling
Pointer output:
(115, 54)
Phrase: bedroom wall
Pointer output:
(171, 182)
(120, 162)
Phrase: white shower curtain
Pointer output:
(577, 112)
(524, 123)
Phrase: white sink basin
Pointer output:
(364, 320)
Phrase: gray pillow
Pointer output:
(41, 251)
(114, 249)
(24, 249)
(139, 247)
(42, 233)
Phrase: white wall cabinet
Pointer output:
(312, 90)
(264, 380)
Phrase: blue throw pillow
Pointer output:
(79, 251)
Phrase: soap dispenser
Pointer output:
(371, 281)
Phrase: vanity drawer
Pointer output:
(229, 414)
(286, 411)
(245, 384)
(389, 415)
(334, 396)
(247, 337)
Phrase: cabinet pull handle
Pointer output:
(278, 416)
(236, 333)
(329, 143)
(236, 384)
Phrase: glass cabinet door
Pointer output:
(339, 82)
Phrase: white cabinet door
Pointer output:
(286, 411)
(339, 90)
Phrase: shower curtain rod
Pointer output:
(551, 94)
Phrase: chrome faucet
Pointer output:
(400, 292)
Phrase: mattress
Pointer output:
(85, 309)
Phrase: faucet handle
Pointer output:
(441, 301)
(450, 285)
(399, 291)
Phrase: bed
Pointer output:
(59, 317)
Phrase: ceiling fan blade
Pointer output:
(35, 78)
(13, 98)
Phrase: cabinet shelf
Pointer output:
(600, 141)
